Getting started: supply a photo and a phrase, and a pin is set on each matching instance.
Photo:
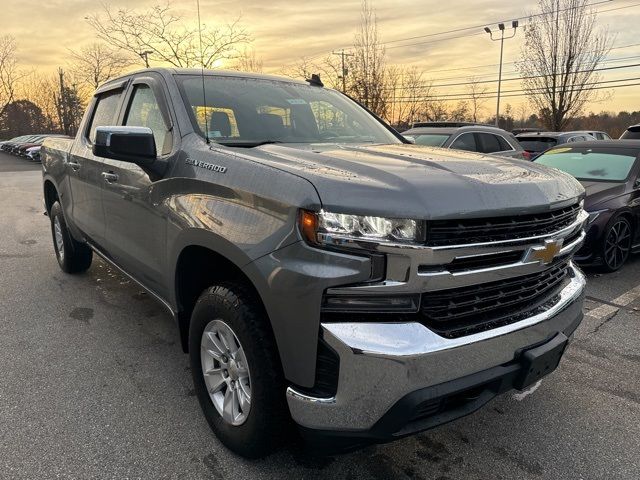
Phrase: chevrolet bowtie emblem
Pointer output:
(544, 254)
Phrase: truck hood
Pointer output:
(413, 181)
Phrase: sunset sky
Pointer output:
(284, 30)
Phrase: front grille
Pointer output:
(462, 311)
(480, 230)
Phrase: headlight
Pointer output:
(325, 228)
(594, 215)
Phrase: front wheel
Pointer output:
(72, 256)
(236, 371)
(616, 244)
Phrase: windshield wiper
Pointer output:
(248, 144)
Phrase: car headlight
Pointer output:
(594, 215)
(339, 229)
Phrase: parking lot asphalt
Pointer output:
(94, 384)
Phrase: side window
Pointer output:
(466, 141)
(488, 143)
(144, 111)
(504, 145)
(104, 114)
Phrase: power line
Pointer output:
(487, 95)
(511, 79)
(519, 18)
(462, 29)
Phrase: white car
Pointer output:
(33, 153)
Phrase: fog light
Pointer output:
(366, 303)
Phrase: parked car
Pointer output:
(33, 153)
(518, 131)
(610, 174)
(598, 135)
(631, 133)
(9, 144)
(472, 138)
(318, 265)
(20, 148)
(536, 143)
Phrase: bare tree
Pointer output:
(248, 62)
(408, 92)
(158, 35)
(10, 73)
(41, 89)
(97, 63)
(477, 97)
(561, 52)
(328, 68)
(368, 65)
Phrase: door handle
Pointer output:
(75, 166)
(109, 177)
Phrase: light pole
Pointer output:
(502, 38)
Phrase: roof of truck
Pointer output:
(207, 73)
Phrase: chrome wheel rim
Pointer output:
(226, 372)
(617, 244)
(57, 235)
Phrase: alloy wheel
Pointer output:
(226, 372)
(59, 239)
(617, 244)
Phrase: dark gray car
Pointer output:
(539, 142)
(472, 138)
(318, 266)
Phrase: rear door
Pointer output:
(84, 169)
(136, 228)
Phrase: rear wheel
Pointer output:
(236, 370)
(72, 256)
(616, 244)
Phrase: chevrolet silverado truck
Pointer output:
(319, 267)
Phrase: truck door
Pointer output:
(135, 226)
(84, 169)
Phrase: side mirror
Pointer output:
(410, 139)
(128, 144)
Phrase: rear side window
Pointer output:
(489, 143)
(504, 145)
(466, 141)
(632, 133)
(104, 114)
(432, 140)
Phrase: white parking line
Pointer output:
(522, 395)
(623, 300)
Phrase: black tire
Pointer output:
(616, 244)
(267, 422)
(72, 256)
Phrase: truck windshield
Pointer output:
(248, 112)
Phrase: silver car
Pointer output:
(472, 138)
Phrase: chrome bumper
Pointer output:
(380, 363)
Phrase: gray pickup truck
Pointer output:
(319, 267)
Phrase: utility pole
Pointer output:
(502, 38)
(345, 70)
(145, 56)
(63, 111)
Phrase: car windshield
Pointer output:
(431, 139)
(602, 164)
(537, 144)
(249, 112)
